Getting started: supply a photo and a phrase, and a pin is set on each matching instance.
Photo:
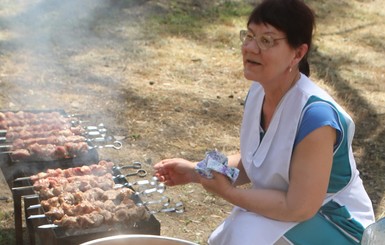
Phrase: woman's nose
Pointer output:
(251, 47)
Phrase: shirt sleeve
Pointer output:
(315, 116)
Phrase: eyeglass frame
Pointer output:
(254, 37)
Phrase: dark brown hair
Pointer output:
(293, 17)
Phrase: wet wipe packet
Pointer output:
(216, 161)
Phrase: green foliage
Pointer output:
(189, 20)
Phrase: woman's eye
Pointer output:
(265, 40)
(249, 37)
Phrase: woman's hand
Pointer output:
(176, 171)
(219, 185)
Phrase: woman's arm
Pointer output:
(236, 161)
(178, 171)
(309, 177)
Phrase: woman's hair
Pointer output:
(293, 17)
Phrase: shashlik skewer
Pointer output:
(51, 187)
(38, 127)
(24, 116)
(94, 219)
(21, 115)
(83, 170)
(27, 134)
(59, 140)
(5, 124)
(8, 119)
(102, 167)
(178, 208)
(54, 186)
(55, 140)
(51, 152)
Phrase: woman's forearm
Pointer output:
(236, 161)
(270, 203)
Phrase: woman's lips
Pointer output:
(252, 62)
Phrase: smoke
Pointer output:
(41, 37)
(40, 41)
(40, 26)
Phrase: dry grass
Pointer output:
(166, 76)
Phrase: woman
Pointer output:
(295, 145)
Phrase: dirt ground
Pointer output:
(165, 77)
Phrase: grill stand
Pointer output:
(12, 170)
(17, 206)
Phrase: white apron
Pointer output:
(267, 166)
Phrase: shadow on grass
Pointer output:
(7, 236)
(367, 122)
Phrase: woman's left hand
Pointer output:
(219, 184)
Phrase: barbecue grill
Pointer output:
(40, 232)
(15, 168)
(12, 170)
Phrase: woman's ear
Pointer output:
(300, 52)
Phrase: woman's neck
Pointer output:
(273, 97)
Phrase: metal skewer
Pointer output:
(100, 126)
(37, 216)
(116, 145)
(22, 188)
(139, 172)
(48, 226)
(134, 165)
(35, 206)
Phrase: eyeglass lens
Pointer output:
(263, 41)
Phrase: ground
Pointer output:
(166, 78)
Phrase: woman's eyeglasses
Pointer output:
(263, 41)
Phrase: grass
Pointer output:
(190, 22)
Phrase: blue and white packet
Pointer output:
(216, 161)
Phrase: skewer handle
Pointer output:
(5, 152)
(5, 146)
(36, 206)
(22, 188)
(37, 216)
(22, 179)
(47, 226)
(116, 145)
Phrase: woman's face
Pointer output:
(271, 63)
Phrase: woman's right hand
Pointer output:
(176, 171)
